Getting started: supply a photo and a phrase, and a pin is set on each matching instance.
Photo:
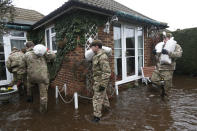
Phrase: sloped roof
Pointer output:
(109, 7)
(112, 6)
(26, 16)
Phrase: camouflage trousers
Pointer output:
(20, 80)
(167, 75)
(100, 99)
(43, 89)
(17, 78)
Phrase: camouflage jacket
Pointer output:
(15, 62)
(173, 55)
(37, 71)
(101, 68)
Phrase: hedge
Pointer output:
(187, 39)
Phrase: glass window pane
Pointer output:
(3, 75)
(48, 39)
(140, 39)
(140, 52)
(118, 69)
(140, 64)
(54, 43)
(17, 33)
(1, 40)
(130, 52)
(130, 66)
(130, 38)
(52, 30)
(117, 37)
(19, 44)
(118, 52)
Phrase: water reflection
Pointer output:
(134, 109)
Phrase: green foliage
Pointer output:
(6, 14)
(73, 27)
(188, 41)
(37, 36)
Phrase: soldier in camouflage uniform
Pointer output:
(165, 71)
(16, 66)
(101, 75)
(37, 74)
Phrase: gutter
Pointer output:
(141, 19)
(18, 27)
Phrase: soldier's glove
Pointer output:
(101, 88)
(154, 52)
(164, 51)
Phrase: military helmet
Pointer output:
(169, 35)
(14, 49)
(29, 44)
(166, 34)
(96, 43)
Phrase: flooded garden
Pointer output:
(134, 109)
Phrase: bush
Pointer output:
(187, 39)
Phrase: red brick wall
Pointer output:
(149, 45)
(67, 75)
(68, 71)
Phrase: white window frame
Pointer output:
(50, 38)
(7, 50)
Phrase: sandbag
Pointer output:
(40, 50)
(89, 53)
(159, 47)
(108, 50)
(170, 47)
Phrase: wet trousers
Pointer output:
(167, 75)
(100, 99)
(43, 89)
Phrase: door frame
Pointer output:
(7, 50)
(126, 78)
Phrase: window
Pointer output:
(2, 63)
(50, 38)
(17, 33)
(140, 50)
(17, 39)
(118, 53)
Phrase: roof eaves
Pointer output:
(85, 6)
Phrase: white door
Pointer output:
(129, 52)
(14, 39)
(127, 58)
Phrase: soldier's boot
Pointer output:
(95, 119)
(43, 107)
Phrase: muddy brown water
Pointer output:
(135, 109)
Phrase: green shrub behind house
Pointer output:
(187, 64)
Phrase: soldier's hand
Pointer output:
(164, 51)
(154, 52)
(101, 88)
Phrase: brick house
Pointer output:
(16, 37)
(126, 31)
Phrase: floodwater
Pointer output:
(135, 109)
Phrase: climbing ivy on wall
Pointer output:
(73, 28)
(37, 36)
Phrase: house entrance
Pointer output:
(128, 53)
(7, 42)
